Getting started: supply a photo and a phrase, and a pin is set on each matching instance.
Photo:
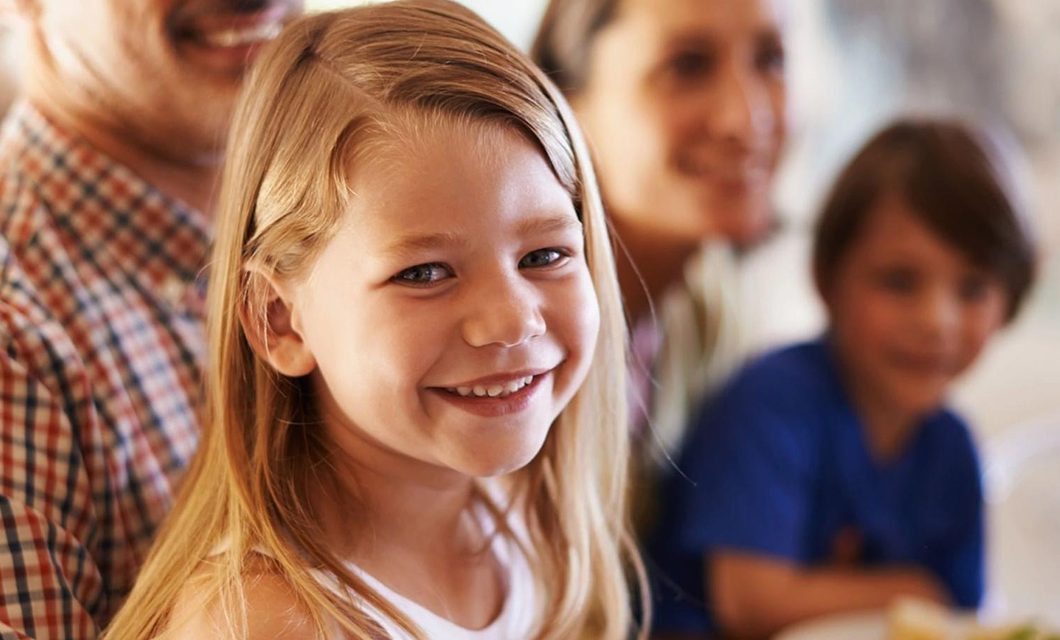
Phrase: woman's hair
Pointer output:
(331, 88)
(564, 39)
(950, 177)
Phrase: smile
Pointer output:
(495, 397)
(234, 30)
(238, 37)
(745, 172)
(493, 391)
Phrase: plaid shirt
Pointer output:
(101, 345)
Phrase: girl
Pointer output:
(412, 294)
(829, 476)
(684, 104)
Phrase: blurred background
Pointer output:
(853, 64)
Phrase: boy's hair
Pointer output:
(329, 90)
(565, 37)
(949, 176)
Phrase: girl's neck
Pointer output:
(422, 539)
(648, 264)
(418, 515)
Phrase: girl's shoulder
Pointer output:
(273, 610)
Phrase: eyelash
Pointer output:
(403, 277)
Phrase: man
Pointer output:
(107, 169)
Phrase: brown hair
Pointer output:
(564, 37)
(951, 178)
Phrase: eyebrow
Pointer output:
(549, 224)
(414, 243)
(424, 242)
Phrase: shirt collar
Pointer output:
(120, 221)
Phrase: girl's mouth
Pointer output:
(496, 398)
(493, 391)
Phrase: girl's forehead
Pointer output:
(428, 176)
(427, 140)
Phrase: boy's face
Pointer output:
(452, 316)
(908, 313)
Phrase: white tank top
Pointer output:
(515, 621)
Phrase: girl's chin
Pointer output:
(501, 458)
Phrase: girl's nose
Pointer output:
(506, 315)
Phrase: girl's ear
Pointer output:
(272, 325)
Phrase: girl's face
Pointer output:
(908, 312)
(452, 316)
(685, 108)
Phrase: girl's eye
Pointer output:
(542, 258)
(423, 275)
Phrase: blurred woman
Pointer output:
(683, 102)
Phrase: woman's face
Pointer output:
(685, 108)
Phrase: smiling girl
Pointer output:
(414, 423)
(830, 476)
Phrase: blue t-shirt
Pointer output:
(777, 465)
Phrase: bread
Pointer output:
(910, 619)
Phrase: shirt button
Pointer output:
(173, 291)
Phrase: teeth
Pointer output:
(244, 36)
(492, 391)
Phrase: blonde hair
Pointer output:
(315, 101)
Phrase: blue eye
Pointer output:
(423, 275)
(542, 258)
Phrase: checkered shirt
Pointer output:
(101, 345)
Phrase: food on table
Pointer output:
(910, 619)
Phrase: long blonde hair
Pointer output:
(314, 102)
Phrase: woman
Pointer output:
(683, 102)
